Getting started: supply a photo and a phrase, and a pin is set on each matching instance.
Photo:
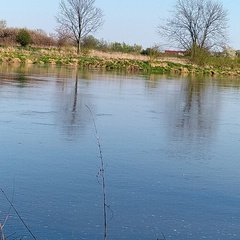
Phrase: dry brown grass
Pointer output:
(119, 55)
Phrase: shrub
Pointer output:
(8, 36)
(153, 52)
(23, 37)
(90, 42)
(41, 38)
(199, 56)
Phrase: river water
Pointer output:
(170, 146)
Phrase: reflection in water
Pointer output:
(193, 109)
(21, 79)
(72, 111)
(75, 98)
(153, 130)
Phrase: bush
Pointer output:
(90, 42)
(23, 37)
(8, 36)
(153, 52)
(199, 56)
(124, 48)
(41, 38)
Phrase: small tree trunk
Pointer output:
(79, 46)
(193, 51)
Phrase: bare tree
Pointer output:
(196, 24)
(3, 24)
(77, 19)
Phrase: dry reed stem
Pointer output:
(101, 173)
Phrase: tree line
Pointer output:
(198, 27)
(39, 38)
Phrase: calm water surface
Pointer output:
(170, 145)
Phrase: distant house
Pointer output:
(175, 52)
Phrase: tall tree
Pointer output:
(77, 19)
(196, 24)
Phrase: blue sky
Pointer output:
(129, 21)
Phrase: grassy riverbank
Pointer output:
(116, 61)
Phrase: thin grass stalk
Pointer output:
(1, 231)
(102, 174)
(19, 216)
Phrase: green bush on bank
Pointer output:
(23, 37)
(219, 61)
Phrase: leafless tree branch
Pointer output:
(77, 19)
(196, 23)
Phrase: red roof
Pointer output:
(175, 52)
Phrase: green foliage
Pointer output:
(199, 56)
(146, 51)
(153, 52)
(221, 62)
(90, 42)
(23, 37)
(124, 48)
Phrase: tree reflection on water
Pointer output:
(72, 98)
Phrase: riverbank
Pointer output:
(110, 61)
